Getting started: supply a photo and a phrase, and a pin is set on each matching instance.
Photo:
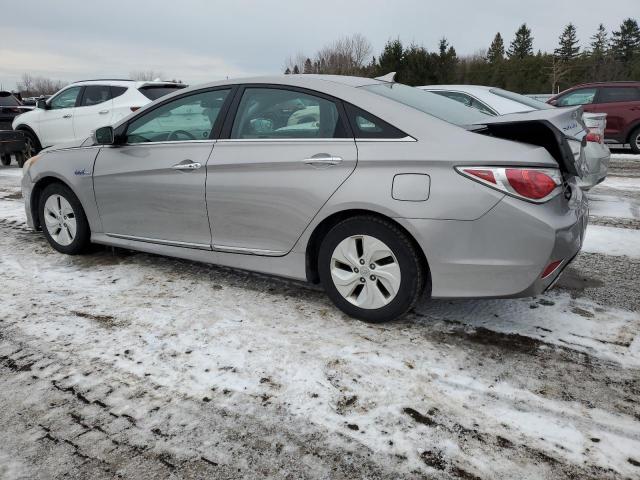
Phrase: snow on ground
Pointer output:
(612, 241)
(198, 363)
(621, 183)
(613, 206)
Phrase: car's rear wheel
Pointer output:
(370, 269)
(635, 140)
(6, 160)
(63, 219)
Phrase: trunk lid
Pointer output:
(561, 131)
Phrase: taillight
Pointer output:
(533, 184)
(133, 109)
(594, 136)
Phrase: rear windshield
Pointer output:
(523, 99)
(153, 92)
(436, 105)
(8, 100)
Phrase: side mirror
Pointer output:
(103, 136)
(553, 102)
(41, 103)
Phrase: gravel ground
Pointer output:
(107, 372)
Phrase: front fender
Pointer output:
(74, 168)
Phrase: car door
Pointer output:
(94, 110)
(617, 102)
(56, 121)
(151, 187)
(283, 154)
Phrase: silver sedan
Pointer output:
(354, 183)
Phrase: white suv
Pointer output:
(81, 107)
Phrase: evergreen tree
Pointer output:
(625, 43)
(522, 44)
(391, 57)
(287, 71)
(296, 70)
(308, 67)
(447, 61)
(599, 41)
(496, 50)
(568, 49)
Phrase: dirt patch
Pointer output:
(103, 320)
(507, 341)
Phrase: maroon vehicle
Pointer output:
(619, 100)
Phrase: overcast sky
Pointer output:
(200, 40)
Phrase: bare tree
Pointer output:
(30, 86)
(296, 60)
(145, 75)
(345, 56)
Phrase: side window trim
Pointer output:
(405, 137)
(230, 117)
(121, 131)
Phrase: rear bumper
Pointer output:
(503, 253)
(597, 157)
(11, 142)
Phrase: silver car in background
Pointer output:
(497, 101)
(354, 183)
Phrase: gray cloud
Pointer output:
(198, 40)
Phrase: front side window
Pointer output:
(619, 94)
(583, 96)
(65, 99)
(182, 119)
(95, 94)
(273, 113)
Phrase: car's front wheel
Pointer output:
(63, 219)
(370, 269)
(6, 160)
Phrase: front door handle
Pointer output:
(67, 115)
(322, 160)
(102, 112)
(187, 165)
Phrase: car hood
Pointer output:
(561, 131)
(86, 142)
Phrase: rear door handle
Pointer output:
(67, 115)
(187, 165)
(102, 112)
(322, 160)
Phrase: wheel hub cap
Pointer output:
(365, 271)
(60, 220)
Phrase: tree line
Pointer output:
(607, 56)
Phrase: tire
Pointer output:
(366, 293)
(61, 196)
(634, 141)
(32, 144)
(20, 159)
(5, 160)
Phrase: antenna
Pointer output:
(389, 77)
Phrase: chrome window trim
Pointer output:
(408, 138)
(280, 140)
(171, 243)
(166, 142)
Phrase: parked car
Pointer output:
(496, 101)
(368, 198)
(10, 108)
(619, 100)
(78, 109)
(11, 143)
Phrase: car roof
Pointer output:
(463, 88)
(123, 82)
(293, 80)
(605, 84)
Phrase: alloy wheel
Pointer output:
(365, 271)
(60, 220)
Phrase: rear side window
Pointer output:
(95, 94)
(117, 91)
(618, 94)
(582, 96)
(8, 100)
(366, 125)
(153, 92)
(274, 113)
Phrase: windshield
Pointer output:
(436, 105)
(523, 99)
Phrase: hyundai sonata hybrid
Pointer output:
(357, 184)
